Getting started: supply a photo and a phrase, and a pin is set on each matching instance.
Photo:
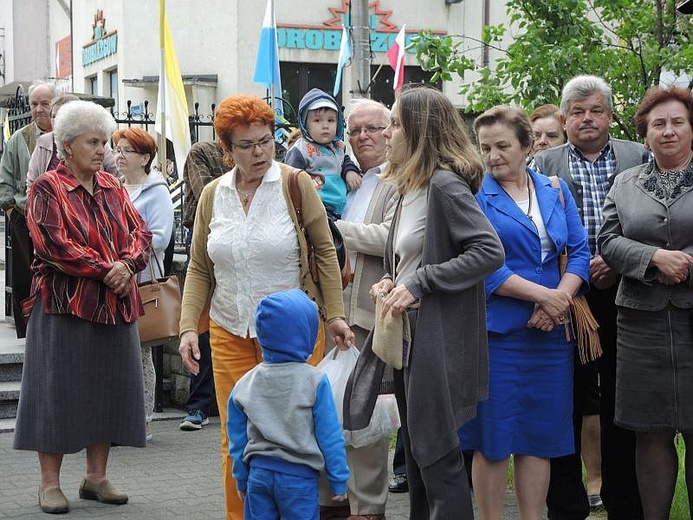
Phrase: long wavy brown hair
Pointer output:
(435, 139)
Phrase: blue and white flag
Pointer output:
(267, 64)
(344, 57)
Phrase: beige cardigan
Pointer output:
(200, 280)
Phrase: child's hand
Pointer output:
(241, 495)
(339, 498)
(353, 180)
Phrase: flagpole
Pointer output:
(274, 61)
(162, 89)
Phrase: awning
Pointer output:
(686, 7)
(10, 90)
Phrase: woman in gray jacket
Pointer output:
(647, 237)
(439, 250)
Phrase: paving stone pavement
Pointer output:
(178, 474)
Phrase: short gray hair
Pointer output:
(359, 103)
(79, 117)
(37, 83)
(62, 99)
(582, 87)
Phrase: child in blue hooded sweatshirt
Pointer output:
(282, 421)
(321, 150)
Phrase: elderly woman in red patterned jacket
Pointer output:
(82, 381)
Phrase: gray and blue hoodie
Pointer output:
(281, 414)
(329, 160)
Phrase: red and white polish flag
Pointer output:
(395, 56)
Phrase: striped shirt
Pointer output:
(77, 237)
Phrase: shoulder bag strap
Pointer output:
(295, 194)
(563, 257)
(556, 183)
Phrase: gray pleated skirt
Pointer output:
(81, 385)
(654, 370)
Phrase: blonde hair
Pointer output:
(435, 138)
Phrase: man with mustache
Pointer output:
(588, 162)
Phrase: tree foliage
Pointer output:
(627, 42)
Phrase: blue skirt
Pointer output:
(530, 406)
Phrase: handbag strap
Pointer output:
(556, 183)
(563, 257)
(295, 194)
(152, 278)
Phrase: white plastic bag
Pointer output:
(384, 421)
(338, 366)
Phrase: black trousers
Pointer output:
(567, 498)
(619, 482)
(22, 257)
(437, 492)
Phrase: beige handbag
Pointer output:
(161, 299)
(582, 325)
(391, 336)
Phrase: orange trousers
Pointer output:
(232, 357)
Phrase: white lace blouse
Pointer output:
(254, 255)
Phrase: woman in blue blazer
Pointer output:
(529, 409)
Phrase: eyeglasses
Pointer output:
(124, 151)
(249, 146)
(370, 130)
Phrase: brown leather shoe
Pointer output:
(104, 492)
(53, 501)
(334, 512)
(366, 517)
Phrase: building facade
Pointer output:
(112, 48)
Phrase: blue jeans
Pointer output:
(272, 495)
(202, 384)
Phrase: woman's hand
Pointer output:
(118, 279)
(601, 275)
(342, 335)
(540, 320)
(672, 266)
(555, 303)
(383, 286)
(397, 301)
(189, 351)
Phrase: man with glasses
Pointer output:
(364, 226)
(13, 194)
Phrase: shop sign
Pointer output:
(327, 36)
(102, 45)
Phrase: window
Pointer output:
(113, 87)
(381, 86)
(92, 86)
(299, 78)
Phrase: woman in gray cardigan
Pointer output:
(647, 237)
(440, 249)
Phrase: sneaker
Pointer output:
(195, 420)
(399, 483)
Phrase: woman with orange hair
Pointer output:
(247, 244)
(134, 151)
